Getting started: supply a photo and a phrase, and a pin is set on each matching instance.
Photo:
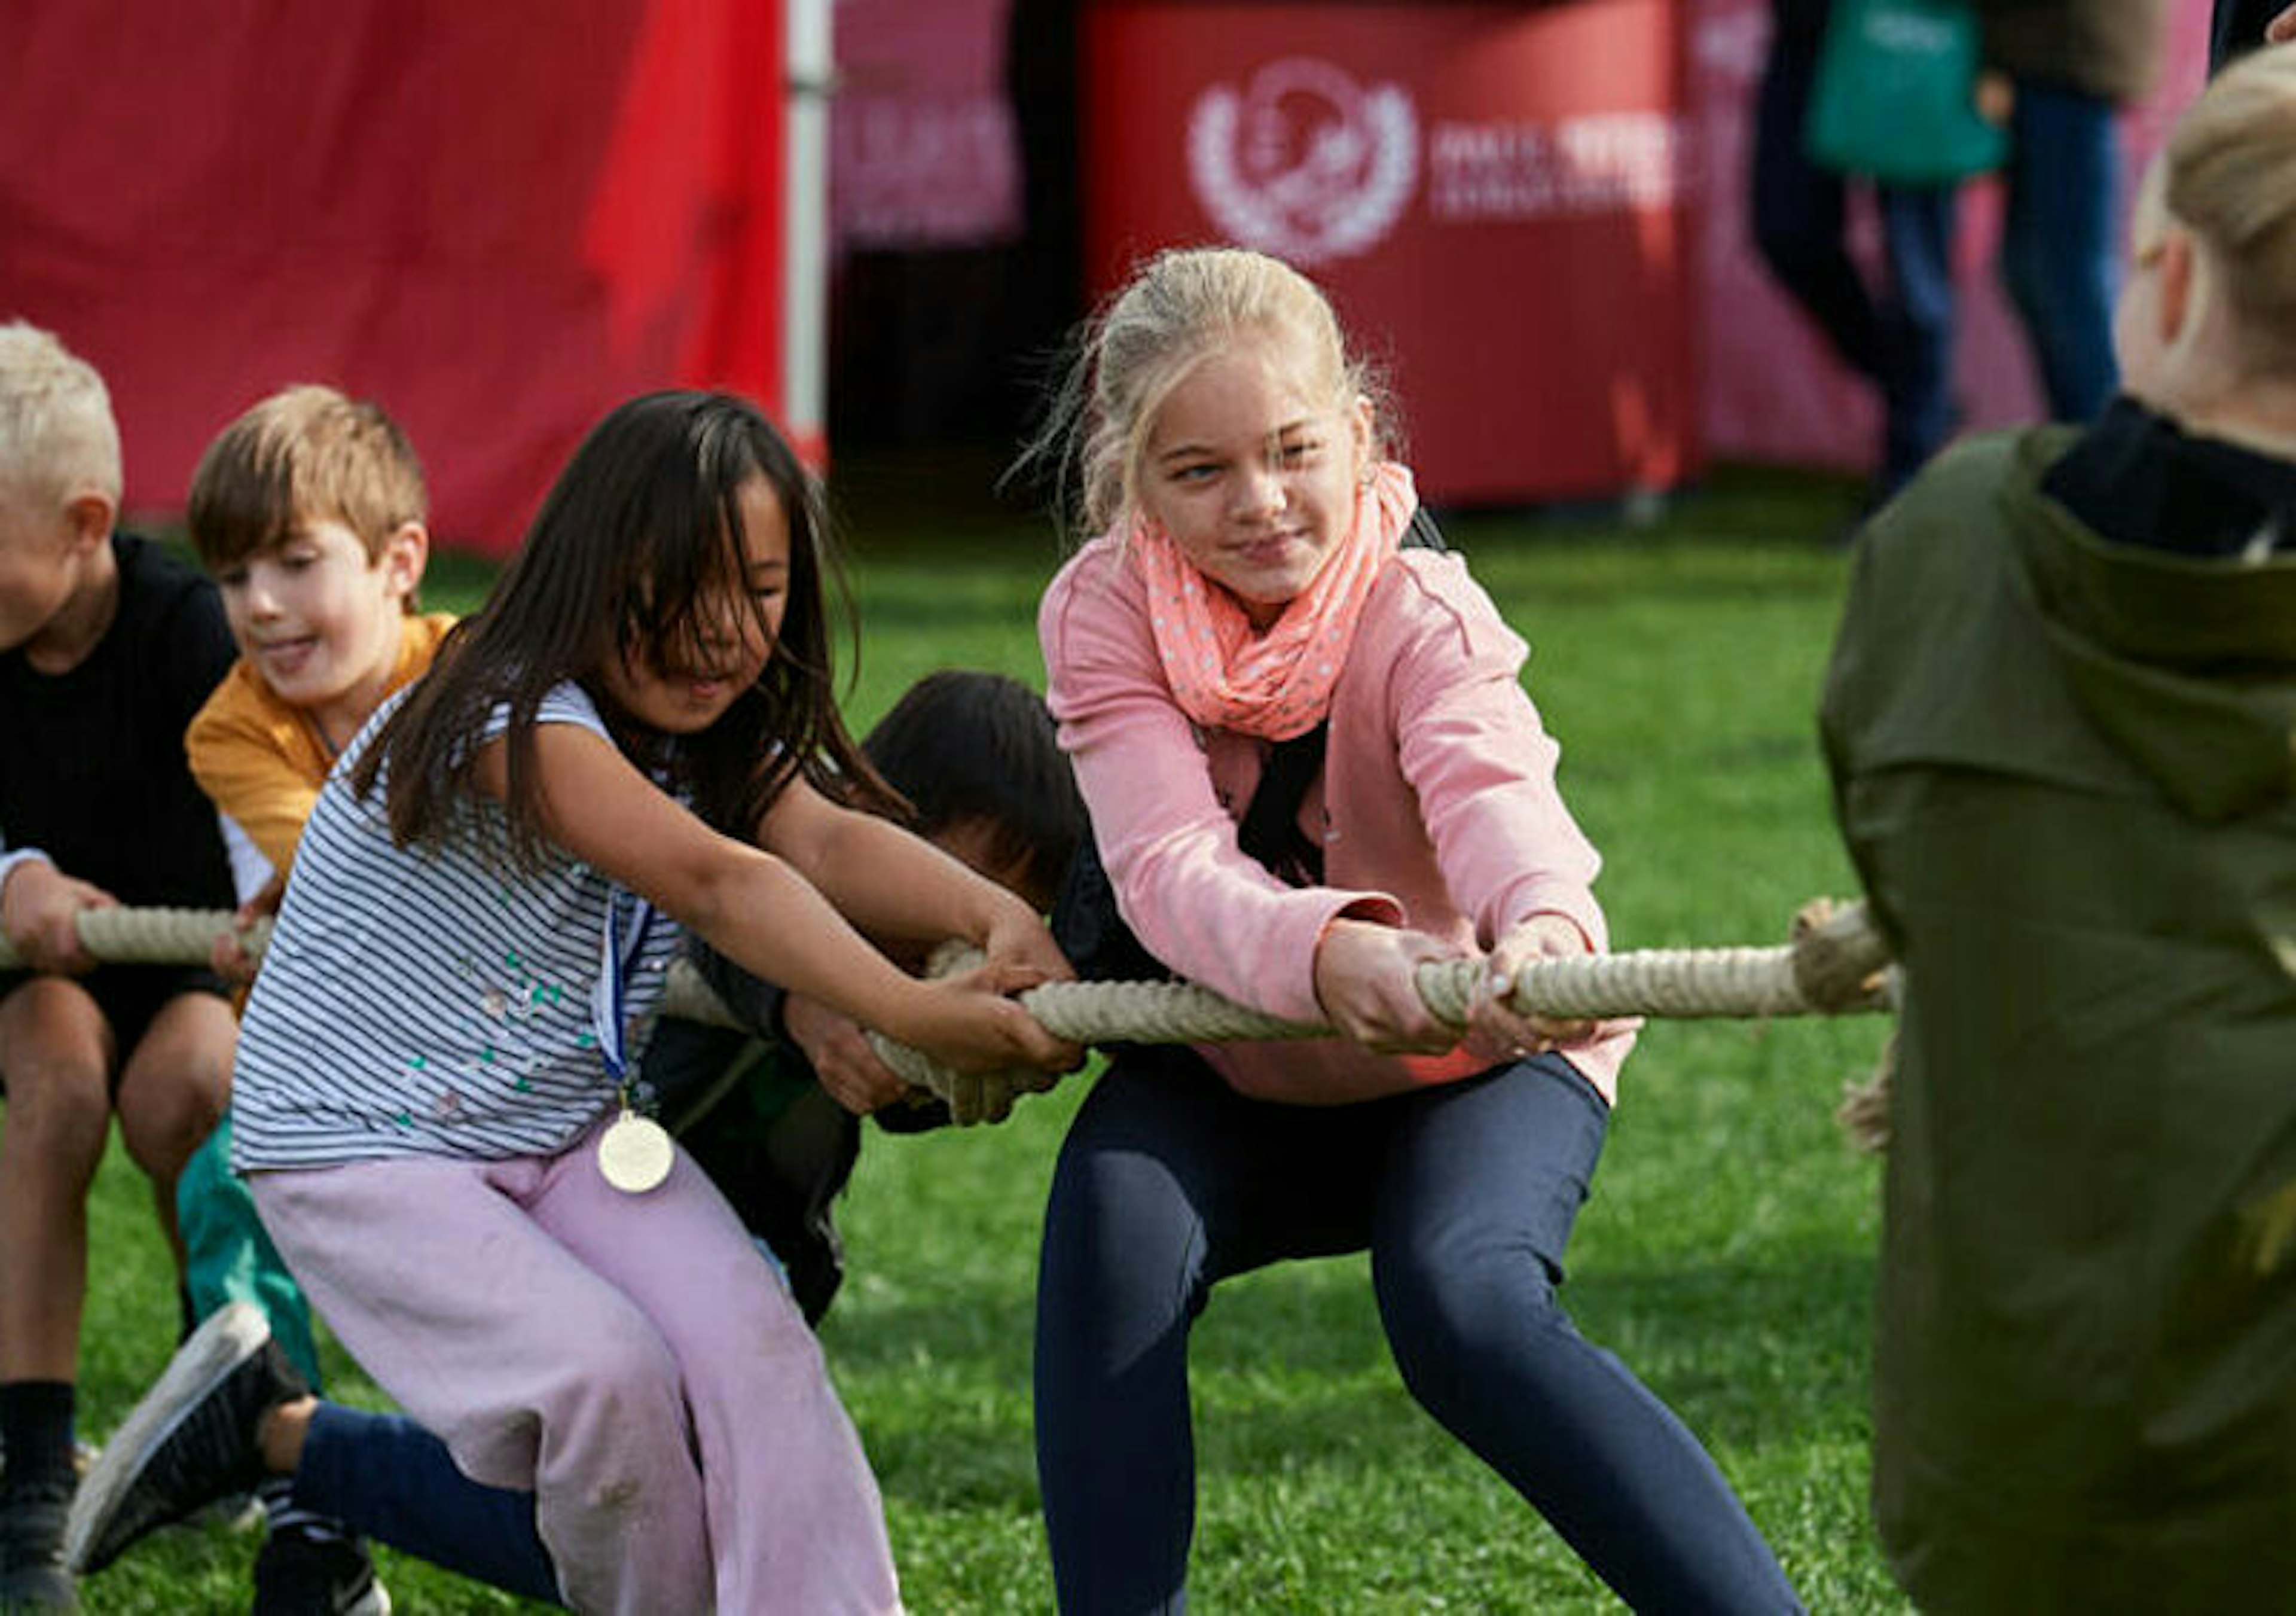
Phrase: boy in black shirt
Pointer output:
(107, 646)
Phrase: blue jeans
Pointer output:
(387, 1478)
(1465, 1194)
(1900, 340)
(2057, 251)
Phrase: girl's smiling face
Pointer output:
(1254, 473)
(740, 617)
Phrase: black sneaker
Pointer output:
(189, 1442)
(32, 1574)
(297, 1574)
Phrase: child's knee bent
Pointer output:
(163, 1122)
(619, 1380)
(175, 1083)
(1441, 1307)
(188, 1047)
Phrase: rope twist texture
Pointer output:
(1833, 967)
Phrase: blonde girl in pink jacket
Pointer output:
(1250, 583)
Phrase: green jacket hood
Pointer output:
(2187, 666)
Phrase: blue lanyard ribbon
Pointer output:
(616, 964)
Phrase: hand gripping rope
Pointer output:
(1834, 966)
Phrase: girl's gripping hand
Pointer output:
(1365, 979)
(1494, 1027)
(970, 1023)
(1020, 937)
(840, 1057)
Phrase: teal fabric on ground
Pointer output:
(228, 1256)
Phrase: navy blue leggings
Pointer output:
(1170, 1182)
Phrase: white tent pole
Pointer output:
(805, 362)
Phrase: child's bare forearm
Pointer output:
(901, 888)
(772, 922)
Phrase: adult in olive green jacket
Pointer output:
(2060, 720)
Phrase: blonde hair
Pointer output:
(57, 435)
(305, 454)
(2229, 177)
(1176, 309)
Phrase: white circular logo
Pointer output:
(1305, 163)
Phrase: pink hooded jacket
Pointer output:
(1436, 809)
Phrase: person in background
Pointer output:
(2064, 70)
(1901, 337)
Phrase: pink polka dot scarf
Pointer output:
(1277, 684)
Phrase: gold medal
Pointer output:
(635, 1154)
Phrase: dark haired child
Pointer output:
(2236, 27)
(976, 758)
(634, 736)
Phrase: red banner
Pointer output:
(501, 219)
(498, 220)
(922, 150)
(1491, 193)
(1502, 199)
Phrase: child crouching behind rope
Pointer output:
(432, 1104)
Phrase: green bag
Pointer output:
(1895, 97)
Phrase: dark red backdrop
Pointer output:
(498, 219)
(1490, 192)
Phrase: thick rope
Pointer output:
(1833, 967)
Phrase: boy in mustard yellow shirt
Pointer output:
(309, 511)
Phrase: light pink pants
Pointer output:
(629, 1359)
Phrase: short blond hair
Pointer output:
(2229, 177)
(305, 454)
(1177, 309)
(58, 438)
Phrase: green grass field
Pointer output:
(1726, 1255)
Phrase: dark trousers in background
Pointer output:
(1465, 1195)
(1899, 337)
(2060, 251)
